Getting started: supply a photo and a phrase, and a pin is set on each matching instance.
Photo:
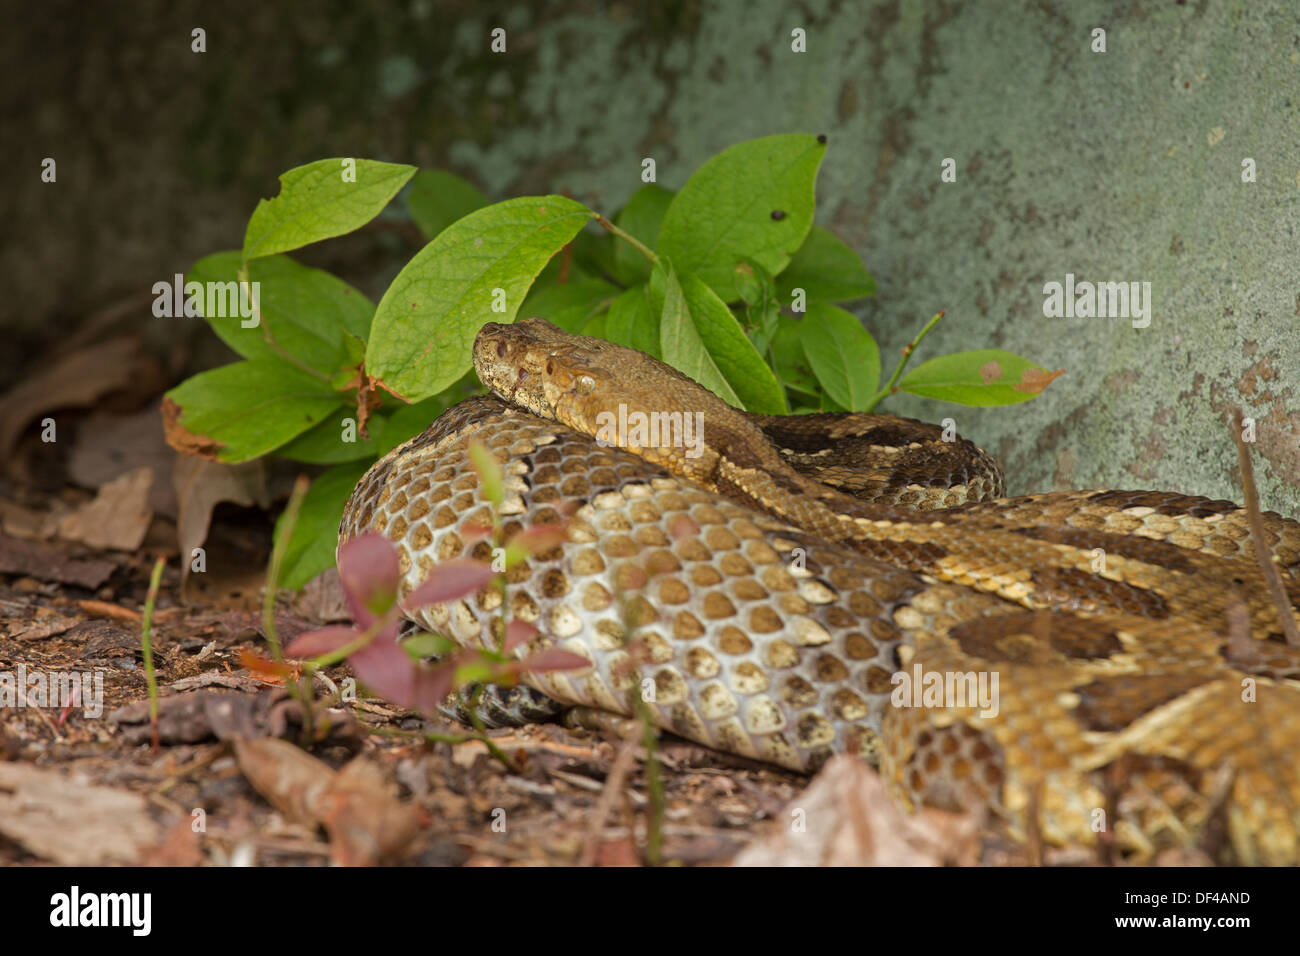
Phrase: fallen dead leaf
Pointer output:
(200, 485)
(68, 821)
(50, 564)
(846, 817)
(75, 380)
(118, 517)
(367, 824)
(29, 523)
(47, 623)
(109, 445)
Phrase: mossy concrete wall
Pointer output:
(1116, 166)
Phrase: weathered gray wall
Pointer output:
(1117, 166)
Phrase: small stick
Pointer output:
(1263, 554)
(146, 641)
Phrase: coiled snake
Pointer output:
(1073, 664)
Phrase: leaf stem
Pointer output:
(908, 349)
(630, 239)
(146, 641)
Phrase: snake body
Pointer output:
(795, 586)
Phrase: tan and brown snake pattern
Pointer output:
(774, 587)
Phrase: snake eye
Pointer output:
(501, 350)
(586, 384)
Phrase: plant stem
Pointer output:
(908, 349)
(290, 518)
(631, 240)
(146, 641)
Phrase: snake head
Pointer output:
(538, 366)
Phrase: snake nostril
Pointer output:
(501, 350)
(550, 367)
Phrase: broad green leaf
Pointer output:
(593, 254)
(641, 217)
(423, 331)
(631, 323)
(307, 310)
(595, 327)
(754, 284)
(680, 344)
(323, 443)
(982, 377)
(731, 351)
(571, 305)
(316, 203)
(827, 270)
(316, 533)
(842, 353)
(437, 198)
(246, 409)
(753, 201)
(788, 358)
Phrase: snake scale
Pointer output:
(783, 583)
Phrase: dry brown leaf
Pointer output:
(119, 516)
(50, 564)
(366, 823)
(108, 445)
(75, 380)
(68, 821)
(30, 524)
(846, 817)
(200, 485)
(47, 623)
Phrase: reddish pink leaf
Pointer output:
(552, 659)
(540, 538)
(518, 632)
(322, 641)
(448, 581)
(471, 531)
(389, 671)
(368, 572)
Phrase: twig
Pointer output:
(631, 240)
(908, 349)
(146, 641)
(1263, 554)
(618, 772)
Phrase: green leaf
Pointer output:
(731, 351)
(246, 409)
(827, 270)
(788, 359)
(307, 310)
(491, 480)
(842, 353)
(571, 305)
(680, 343)
(315, 203)
(641, 217)
(982, 377)
(423, 331)
(323, 444)
(725, 212)
(593, 254)
(437, 198)
(316, 534)
(631, 322)
(422, 644)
